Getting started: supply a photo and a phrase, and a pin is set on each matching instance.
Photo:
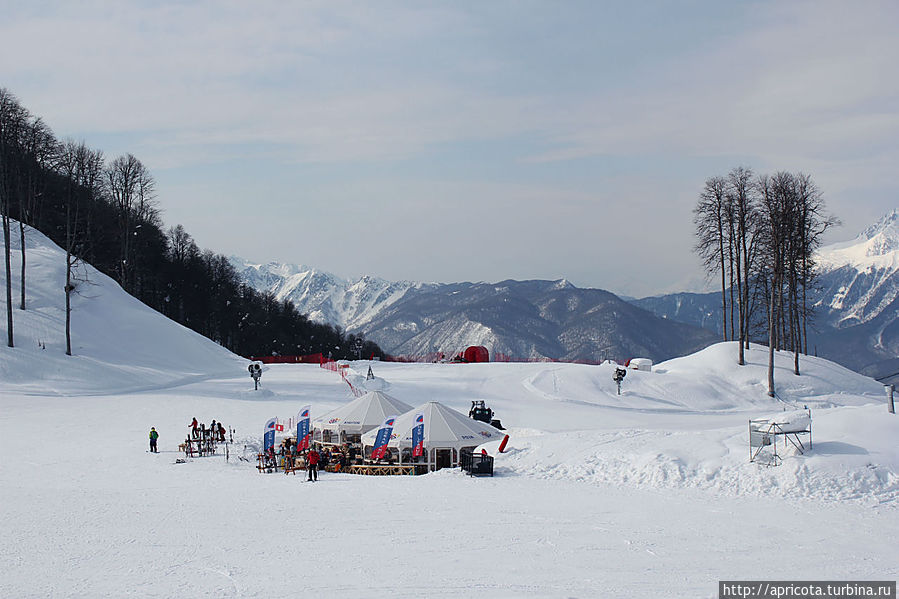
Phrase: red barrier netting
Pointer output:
(494, 357)
(307, 359)
(423, 359)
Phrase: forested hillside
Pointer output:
(106, 212)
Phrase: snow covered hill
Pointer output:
(118, 343)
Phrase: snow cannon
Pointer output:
(619, 375)
(256, 373)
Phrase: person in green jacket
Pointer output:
(153, 436)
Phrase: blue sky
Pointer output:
(451, 141)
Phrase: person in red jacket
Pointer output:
(193, 428)
(312, 459)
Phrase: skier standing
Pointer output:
(312, 459)
(153, 436)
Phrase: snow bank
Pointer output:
(853, 457)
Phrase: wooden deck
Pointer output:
(387, 469)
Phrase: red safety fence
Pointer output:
(307, 359)
(423, 359)
(494, 357)
(333, 366)
(497, 357)
(431, 357)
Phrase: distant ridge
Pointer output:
(322, 296)
(520, 319)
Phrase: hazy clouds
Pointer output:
(468, 141)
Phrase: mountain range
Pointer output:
(518, 319)
(856, 301)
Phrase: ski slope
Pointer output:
(118, 344)
(649, 493)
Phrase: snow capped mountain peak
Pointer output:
(887, 227)
(323, 296)
(860, 277)
(279, 268)
(876, 247)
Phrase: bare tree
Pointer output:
(742, 202)
(792, 211)
(12, 117)
(38, 147)
(811, 224)
(709, 216)
(132, 190)
(82, 169)
(774, 207)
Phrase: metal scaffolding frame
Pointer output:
(764, 433)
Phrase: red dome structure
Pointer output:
(476, 353)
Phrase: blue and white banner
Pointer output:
(268, 439)
(418, 436)
(382, 439)
(304, 430)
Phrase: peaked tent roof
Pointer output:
(362, 414)
(444, 427)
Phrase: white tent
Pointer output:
(357, 417)
(446, 433)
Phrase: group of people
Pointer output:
(203, 440)
(199, 433)
(315, 458)
(216, 430)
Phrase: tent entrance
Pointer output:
(443, 458)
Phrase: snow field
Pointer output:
(82, 522)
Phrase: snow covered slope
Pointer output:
(118, 343)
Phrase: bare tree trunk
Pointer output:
(745, 300)
(68, 302)
(794, 325)
(22, 240)
(730, 270)
(782, 340)
(771, 333)
(804, 320)
(741, 307)
(6, 252)
(723, 291)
